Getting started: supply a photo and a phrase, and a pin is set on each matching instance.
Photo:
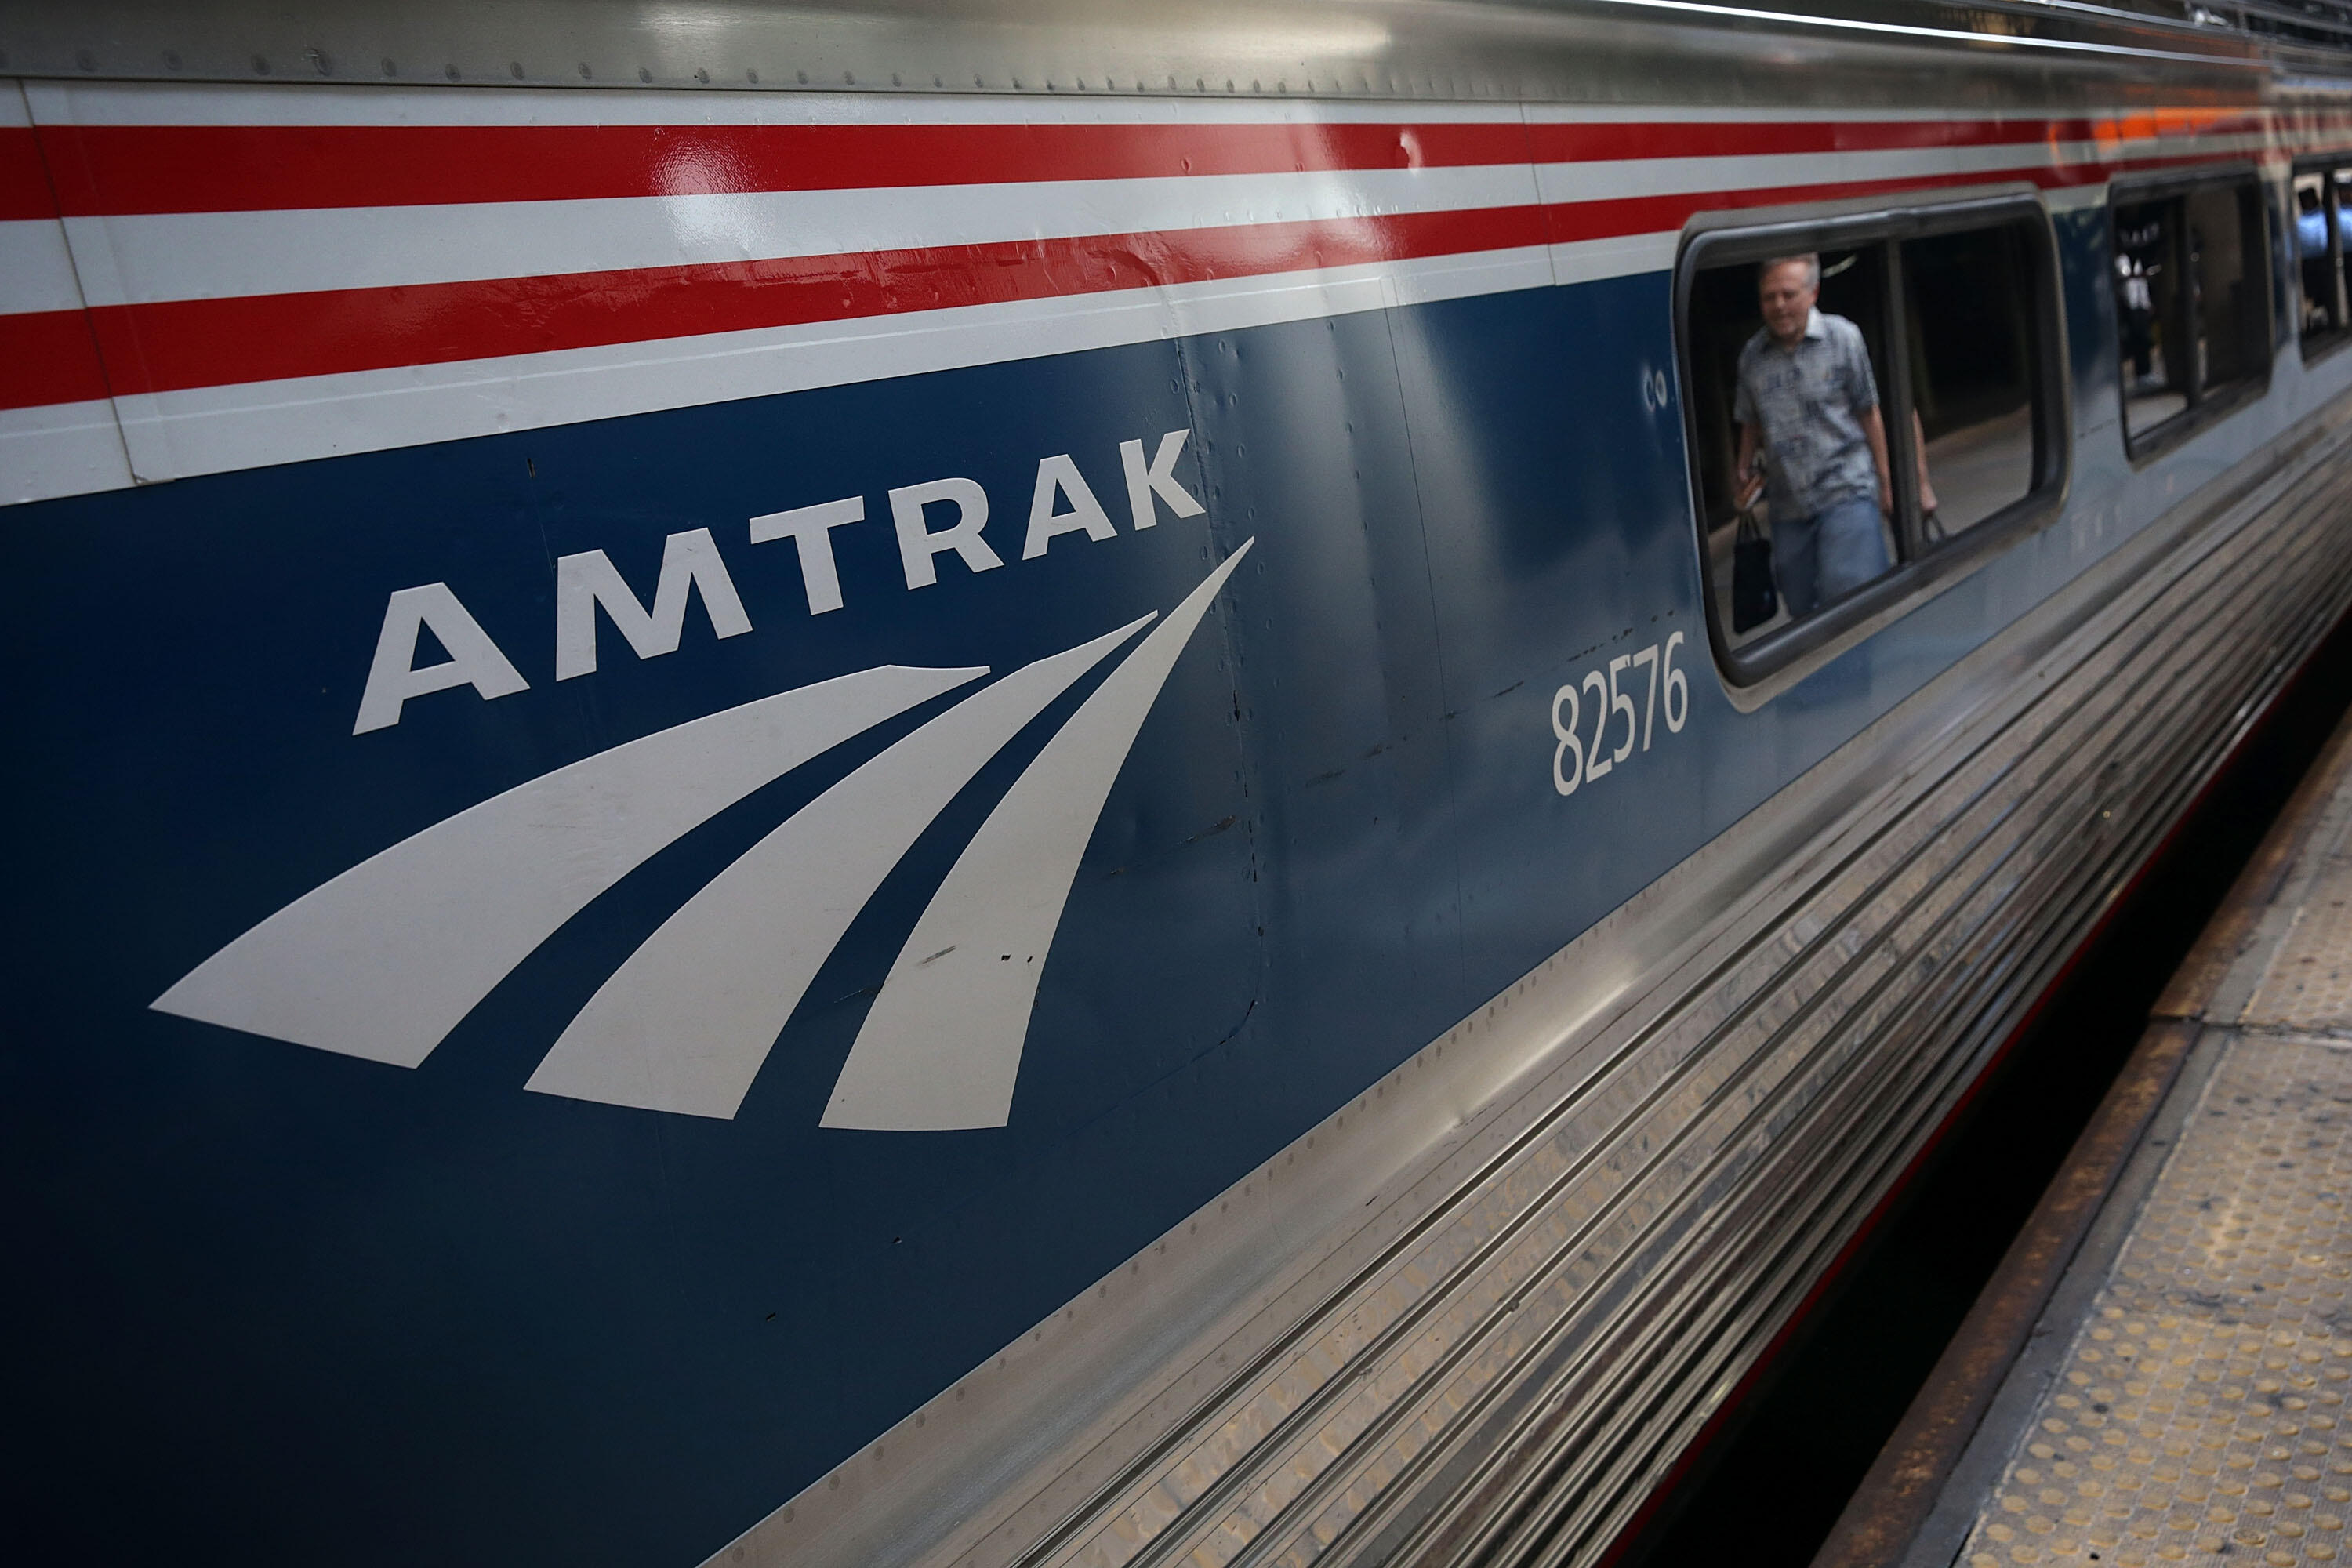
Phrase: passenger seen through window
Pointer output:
(2316, 257)
(2148, 274)
(2192, 313)
(2320, 199)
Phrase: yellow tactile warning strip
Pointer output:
(2309, 985)
(2198, 1416)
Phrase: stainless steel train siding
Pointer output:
(1067, 1015)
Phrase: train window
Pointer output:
(2192, 303)
(2320, 197)
(1867, 401)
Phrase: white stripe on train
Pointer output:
(208, 256)
(152, 257)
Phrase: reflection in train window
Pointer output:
(1861, 397)
(2319, 216)
(2191, 303)
(1801, 448)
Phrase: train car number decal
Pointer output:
(1580, 759)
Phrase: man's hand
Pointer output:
(1875, 428)
(1919, 445)
(1750, 488)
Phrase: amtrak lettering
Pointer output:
(382, 962)
(940, 517)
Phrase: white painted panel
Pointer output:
(36, 270)
(60, 449)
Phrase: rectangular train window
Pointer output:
(2320, 195)
(2192, 303)
(1871, 403)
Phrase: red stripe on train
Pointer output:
(171, 169)
(1569, 143)
(24, 185)
(177, 169)
(1574, 142)
(48, 356)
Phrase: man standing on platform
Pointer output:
(1807, 407)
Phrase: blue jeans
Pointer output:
(1821, 558)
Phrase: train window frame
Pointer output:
(2203, 411)
(1754, 670)
(2317, 346)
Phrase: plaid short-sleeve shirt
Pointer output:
(1808, 404)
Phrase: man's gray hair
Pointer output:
(1812, 259)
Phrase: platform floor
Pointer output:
(2197, 1416)
(2182, 1398)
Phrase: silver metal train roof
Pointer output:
(1885, 51)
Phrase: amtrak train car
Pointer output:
(1034, 785)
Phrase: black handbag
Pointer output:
(1754, 599)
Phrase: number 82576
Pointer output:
(1585, 755)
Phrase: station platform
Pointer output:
(2158, 1371)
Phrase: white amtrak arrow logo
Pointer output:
(384, 961)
